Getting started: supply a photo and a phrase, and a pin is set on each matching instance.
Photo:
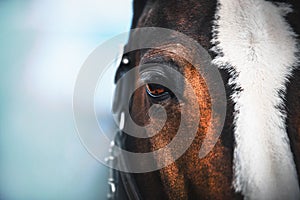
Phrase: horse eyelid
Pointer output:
(152, 76)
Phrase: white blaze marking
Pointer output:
(258, 47)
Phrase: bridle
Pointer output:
(122, 185)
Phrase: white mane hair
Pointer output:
(258, 47)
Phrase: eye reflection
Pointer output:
(157, 91)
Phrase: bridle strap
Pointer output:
(122, 185)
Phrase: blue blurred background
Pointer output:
(43, 45)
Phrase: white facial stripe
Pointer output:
(256, 44)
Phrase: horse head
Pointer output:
(239, 42)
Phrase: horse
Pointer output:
(255, 45)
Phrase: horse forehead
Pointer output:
(191, 17)
(177, 13)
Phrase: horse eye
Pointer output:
(157, 91)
